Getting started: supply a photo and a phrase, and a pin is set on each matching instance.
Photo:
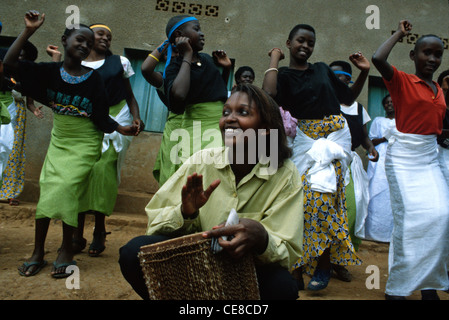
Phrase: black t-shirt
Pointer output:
(43, 82)
(112, 73)
(313, 93)
(355, 123)
(206, 82)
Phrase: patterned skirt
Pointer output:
(14, 174)
(325, 214)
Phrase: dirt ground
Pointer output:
(100, 278)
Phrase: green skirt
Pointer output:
(164, 168)
(196, 129)
(75, 147)
(201, 122)
(5, 100)
(102, 190)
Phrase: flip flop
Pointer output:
(56, 266)
(26, 265)
(13, 202)
(97, 247)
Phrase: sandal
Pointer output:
(26, 265)
(320, 280)
(341, 273)
(63, 274)
(97, 246)
(13, 202)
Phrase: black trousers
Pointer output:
(275, 282)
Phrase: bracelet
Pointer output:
(184, 60)
(271, 69)
(150, 55)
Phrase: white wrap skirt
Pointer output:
(419, 194)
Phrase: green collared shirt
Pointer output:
(275, 200)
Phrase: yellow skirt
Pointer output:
(325, 214)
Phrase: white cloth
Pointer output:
(119, 141)
(7, 133)
(443, 158)
(128, 71)
(353, 110)
(378, 224)
(317, 155)
(419, 248)
(361, 193)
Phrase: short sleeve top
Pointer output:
(206, 82)
(313, 93)
(84, 96)
(417, 109)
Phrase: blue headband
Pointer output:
(345, 73)
(170, 46)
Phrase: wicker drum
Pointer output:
(185, 268)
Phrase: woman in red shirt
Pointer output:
(419, 192)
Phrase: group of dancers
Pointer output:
(305, 217)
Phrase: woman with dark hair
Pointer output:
(195, 92)
(77, 96)
(104, 179)
(99, 199)
(312, 93)
(244, 74)
(264, 191)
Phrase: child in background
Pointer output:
(356, 192)
(244, 74)
(104, 179)
(378, 224)
(419, 192)
(78, 99)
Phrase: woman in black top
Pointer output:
(195, 93)
(77, 96)
(312, 94)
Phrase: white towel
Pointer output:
(119, 141)
(317, 155)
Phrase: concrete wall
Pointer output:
(246, 29)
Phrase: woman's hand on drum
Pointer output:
(248, 236)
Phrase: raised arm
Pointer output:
(150, 63)
(270, 78)
(54, 53)
(222, 60)
(362, 63)
(33, 20)
(181, 85)
(380, 57)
